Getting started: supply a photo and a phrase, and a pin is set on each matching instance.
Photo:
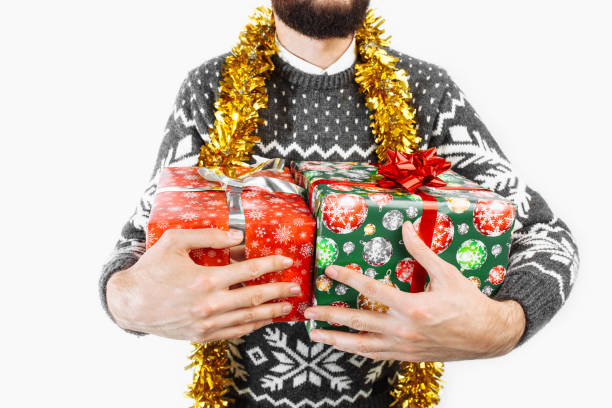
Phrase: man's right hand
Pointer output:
(167, 294)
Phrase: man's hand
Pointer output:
(167, 294)
(451, 320)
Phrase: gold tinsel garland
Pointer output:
(418, 385)
(242, 94)
(384, 86)
(210, 375)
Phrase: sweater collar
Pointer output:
(294, 72)
(346, 60)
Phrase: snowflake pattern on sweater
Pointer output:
(324, 117)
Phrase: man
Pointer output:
(316, 112)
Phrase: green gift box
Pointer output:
(359, 227)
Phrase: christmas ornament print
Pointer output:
(341, 289)
(497, 274)
(365, 303)
(393, 220)
(444, 230)
(369, 229)
(381, 199)
(380, 251)
(405, 269)
(370, 273)
(348, 247)
(344, 213)
(475, 280)
(412, 212)
(323, 283)
(354, 267)
(493, 217)
(377, 251)
(458, 204)
(327, 251)
(471, 255)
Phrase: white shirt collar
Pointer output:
(345, 61)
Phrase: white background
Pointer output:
(85, 90)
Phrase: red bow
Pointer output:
(412, 170)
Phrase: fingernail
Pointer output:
(235, 235)
(331, 271)
(287, 262)
(286, 309)
(295, 290)
(316, 335)
(309, 314)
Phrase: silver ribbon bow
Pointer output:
(234, 186)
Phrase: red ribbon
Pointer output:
(426, 230)
(411, 170)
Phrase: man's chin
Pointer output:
(329, 19)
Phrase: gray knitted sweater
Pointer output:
(323, 117)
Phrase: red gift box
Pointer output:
(276, 223)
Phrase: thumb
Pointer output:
(201, 238)
(435, 266)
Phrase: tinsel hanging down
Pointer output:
(242, 94)
(386, 91)
(418, 385)
(211, 371)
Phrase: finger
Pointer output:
(249, 269)
(247, 315)
(248, 296)
(187, 239)
(428, 259)
(356, 343)
(367, 286)
(363, 320)
(233, 332)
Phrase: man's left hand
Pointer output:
(451, 320)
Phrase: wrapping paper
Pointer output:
(359, 227)
(276, 223)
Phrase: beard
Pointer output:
(322, 19)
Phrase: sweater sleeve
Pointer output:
(543, 257)
(185, 130)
